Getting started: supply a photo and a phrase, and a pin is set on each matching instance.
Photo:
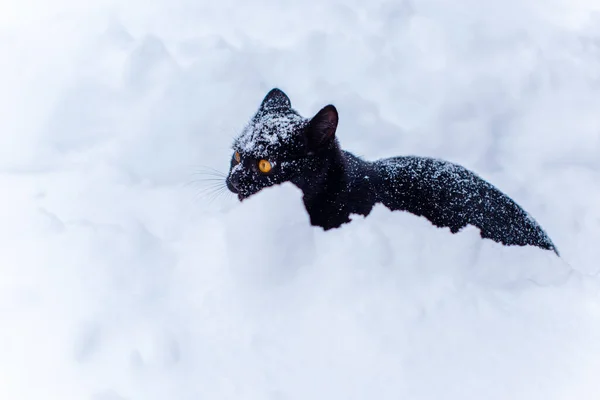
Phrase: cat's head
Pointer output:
(279, 145)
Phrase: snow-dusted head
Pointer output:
(278, 145)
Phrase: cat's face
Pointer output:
(277, 145)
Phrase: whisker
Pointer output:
(205, 185)
(208, 180)
(199, 182)
(210, 198)
(210, 185)
(215, 195)
(209, 173)
(211, 177)
(210, 190)
(207, 169)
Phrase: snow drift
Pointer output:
(124, 278)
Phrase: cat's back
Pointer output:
(427, 182)
(450, 195)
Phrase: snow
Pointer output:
(123, 281)
(267, 131)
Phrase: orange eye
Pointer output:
(264, 166)
(237, 157)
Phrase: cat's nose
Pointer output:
(233, 183)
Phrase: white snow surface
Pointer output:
(120, 280)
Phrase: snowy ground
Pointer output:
(122, 280)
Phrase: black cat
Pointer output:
(279, 145)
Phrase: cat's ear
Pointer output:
(274, 100)
(321, 128)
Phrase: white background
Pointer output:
(121, 278)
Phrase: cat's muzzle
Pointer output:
(233, 185)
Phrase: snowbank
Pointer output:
(124, 277)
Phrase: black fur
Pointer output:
(336, 183)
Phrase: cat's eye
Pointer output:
(237, 157)
(264, 166)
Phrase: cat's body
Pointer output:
(336, 183)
